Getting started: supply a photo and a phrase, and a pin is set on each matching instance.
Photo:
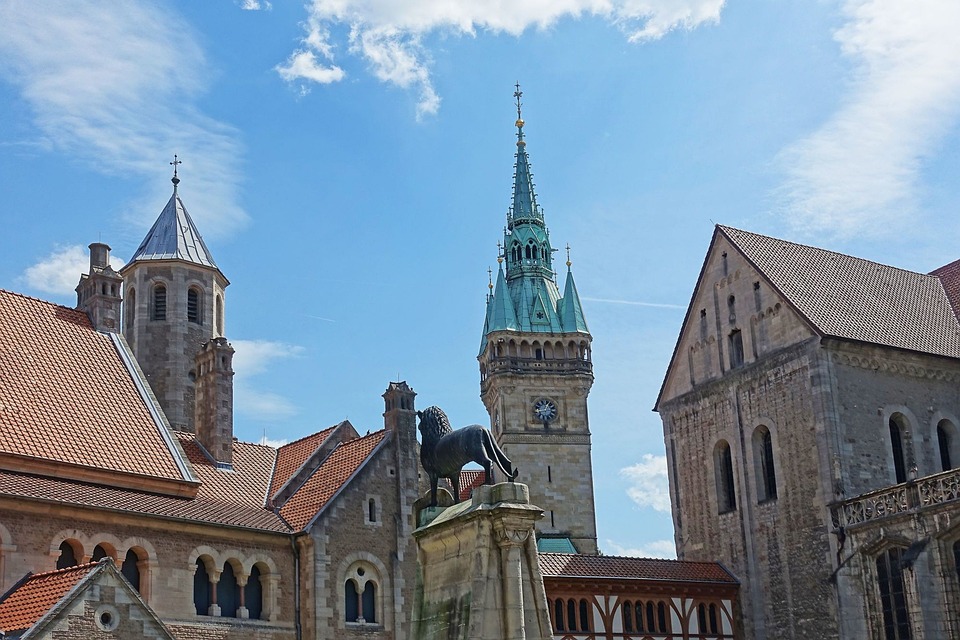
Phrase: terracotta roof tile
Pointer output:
(329, 477)
(22, 607)
(207, 508)
(65, 394)
(470, 480)
(949, 276)
(291, 456)
(246, 485)
(566, 565)
(856, 299)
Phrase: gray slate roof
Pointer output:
(174, 237)
(856, 299)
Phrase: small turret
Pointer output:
(213, 408)
(98, 292)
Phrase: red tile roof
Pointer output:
(290, 457)
(566, 565)
(856, 299)
(470, 480)
(949, 276)
(65, 395)
(329, 477)
(22, 607)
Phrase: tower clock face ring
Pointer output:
(545, 410)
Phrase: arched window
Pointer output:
(662, 617)
(99, 553)
(68, 556)
(253, 594)
(956, 558)
(732, 308)
(372, 510)
(702, 618)
(763, 464)
(896, 445)
(194, 306)
(558, 615)
(947, 441)
(130, 309)
(227, 592)
(584, 615)
(572, 614)
(627, 609)
(893, 599)
(723, 470)
(201, 589)
(651, 619)
(131, 570)
(369, 602)
(159, 311)
(351, 603)
(736, 348)
(219, 315)
(713, 618)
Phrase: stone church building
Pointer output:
(810, 414)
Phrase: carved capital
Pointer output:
(509, 536)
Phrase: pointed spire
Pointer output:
(571, 312)
(174, 236)
(525, 207)
(502, 315)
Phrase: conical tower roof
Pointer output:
(174, 236)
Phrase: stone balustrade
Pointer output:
(905, 498)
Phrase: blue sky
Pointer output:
(350, 162)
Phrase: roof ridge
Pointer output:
(77, 567)
(820, 249)
(584, 555)
(41, 300)
(309, 435)
(363, 437)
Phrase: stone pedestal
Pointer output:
(479, 577)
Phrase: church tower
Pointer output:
(173, 306)
(536, 371)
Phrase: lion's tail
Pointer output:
(495, 453)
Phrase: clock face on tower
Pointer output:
(545, 410)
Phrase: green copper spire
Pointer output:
(526, 298)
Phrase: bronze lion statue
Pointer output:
(444, 451)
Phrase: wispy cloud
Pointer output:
(388, 36)
(653, 549)
(255, 5)
(116, 84)
(647, 482)
(252, 358)
(276, 444)
(59, 272)
(636, 303)
(859, 172)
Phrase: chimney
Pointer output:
(213, 404)
(98, 293)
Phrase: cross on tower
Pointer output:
(175, 163)
(518, 94)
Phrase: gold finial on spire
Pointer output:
(175, 179)
(518, 94)
(568, 256)
(490, 278)
(499, 253)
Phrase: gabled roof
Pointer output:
(67, 392)
(567, 565)
(855, 299)
(330, 477)
(24, 605)
(174, 236)
(292, 456)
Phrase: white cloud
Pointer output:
(648, 484)
(276, 444)
(255, 5)
(59, 272)
(636, 303)
(388, 35)
(653, 549)
(116, 84)
(254, 357)
(859, 172)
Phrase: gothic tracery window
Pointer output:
(893, 600)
